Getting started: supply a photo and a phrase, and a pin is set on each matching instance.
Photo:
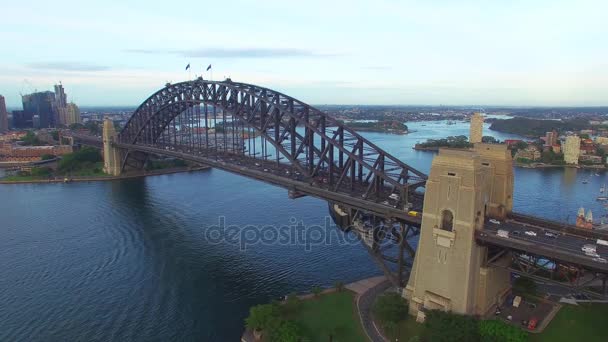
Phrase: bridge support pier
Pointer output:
(449, 270)
(112, 161)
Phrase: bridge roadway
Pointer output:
(550, 243)
(566, 247)
(287, 177)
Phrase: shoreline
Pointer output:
(107, 178)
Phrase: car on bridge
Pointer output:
(530, 233)
(495, 221)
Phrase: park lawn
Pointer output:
(585, 322)
(23, 178)
(408, 329)
(332, 313)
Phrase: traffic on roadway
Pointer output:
(596, 250)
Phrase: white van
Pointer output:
(503, 233)
(602, 242)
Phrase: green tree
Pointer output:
(498, 331)
(30, 139)
(489, 140)
(55, 135)
(316, 291)
(443, 326)
(261, 316)
(584, 136)
(547, 156)
(286, 331)
(79, 160)
(390, 308)
(76, 126)
(525, 287)
(520, 145)
(41, 172)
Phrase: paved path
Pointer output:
(365, 301)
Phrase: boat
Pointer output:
(585, 181)
(602, 198)
(603, 188)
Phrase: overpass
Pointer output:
(263, 134)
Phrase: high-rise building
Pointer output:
(3, 116)
(572, 149)
(73, 116)
(61, 106)
(551, 138)
(476, 130)
(41, 104)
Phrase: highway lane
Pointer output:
(562, 241)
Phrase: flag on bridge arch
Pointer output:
(188, 66)
(209, 67)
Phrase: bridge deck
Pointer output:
(563, 246)
(566, 247)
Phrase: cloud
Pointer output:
(236, 53)
(67, 66)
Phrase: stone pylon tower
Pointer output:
(449, 272)
(476, 129)
(111, 155)
(497, 165)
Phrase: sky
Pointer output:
(450, 52)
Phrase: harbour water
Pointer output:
(136, 260)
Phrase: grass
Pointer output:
(408, 329)
(586, 322)
(333, 313)
(23, 178)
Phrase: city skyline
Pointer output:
(437, 52)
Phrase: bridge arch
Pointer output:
(319, 147)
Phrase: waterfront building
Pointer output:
(3, 116)
(551, 138)
(41, 104)
(530, 153)
(587, 147)
(591, 159)
(601, 140)
(476, 129)
(572, 149)
(13, 152)
(511, 142)
(73, 114)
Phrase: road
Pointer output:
(534, 239)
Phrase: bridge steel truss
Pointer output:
(560, 268)
(224, 118)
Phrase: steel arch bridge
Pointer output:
(245, 125)
(266, 135)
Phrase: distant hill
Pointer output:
(536, 127)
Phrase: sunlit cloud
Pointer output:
(67, 66)
(236, 52)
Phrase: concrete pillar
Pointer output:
(448, 272)
(111, 155)
(497, 163)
